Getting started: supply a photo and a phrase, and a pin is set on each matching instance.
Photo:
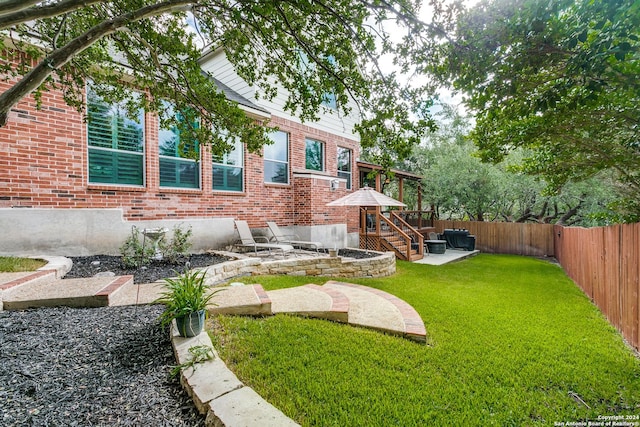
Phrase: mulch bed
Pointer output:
(353, 253)
(97, 366)
(88, 266)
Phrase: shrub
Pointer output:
(135, 252)
(178, 246)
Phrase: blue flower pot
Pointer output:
(191, 324)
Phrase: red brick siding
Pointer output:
(43, 163)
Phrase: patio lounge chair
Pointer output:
(293, 240)
(248, 241)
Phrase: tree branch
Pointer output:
(26, 13)
(12, 6)
(59, 57)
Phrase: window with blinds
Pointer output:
(115, 142)
(178, 168)
(228, 170)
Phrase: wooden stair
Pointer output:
(395, 244)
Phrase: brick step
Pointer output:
(337, 301)
(376, 309)
(12, 281)
(84, 292)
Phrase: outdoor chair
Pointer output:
(248, 241)
(292, 239)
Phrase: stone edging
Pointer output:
(380, 266)
(218, 393)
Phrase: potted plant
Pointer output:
(186, 298)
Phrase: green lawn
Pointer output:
(512, 341)
(14, 264)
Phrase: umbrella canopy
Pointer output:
(366, 196)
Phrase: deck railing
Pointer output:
(416, 219)
(390, 233)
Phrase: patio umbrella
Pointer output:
(366, 196)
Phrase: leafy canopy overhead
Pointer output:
(150, 43)
(558, 77)
(458, 185)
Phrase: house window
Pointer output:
(115, 142)
(178, 165)
(344, 165)
(276, 159)
(329, 100)
(314, 155)
(307, 67)
(228, 170)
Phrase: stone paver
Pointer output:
(249, 300)
(217, 392)
(369, 309)
(132, 294)
(13, 280)
(310, 300)
(245, 408)
(413, 325)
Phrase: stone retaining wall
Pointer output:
(380, 266)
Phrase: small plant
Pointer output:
(185, 294)
(179, 245)
(199, 353)
(134, 252)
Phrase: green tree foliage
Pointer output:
(559, 78)
(150, 42)
(459, 185)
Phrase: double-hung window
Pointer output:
(306, 67)
(344, 165)
(115, 142)
(228, 169)
(314, 155)
(276, 159)
(179, 166)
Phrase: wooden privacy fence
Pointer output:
(605, 263)
(506, 237)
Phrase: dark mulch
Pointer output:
(88, 266)
(353, 253)
(97, 366)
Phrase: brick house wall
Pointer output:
(43, 165)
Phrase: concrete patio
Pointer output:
(450, 255)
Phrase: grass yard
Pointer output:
(14, 264)
(512, 341)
